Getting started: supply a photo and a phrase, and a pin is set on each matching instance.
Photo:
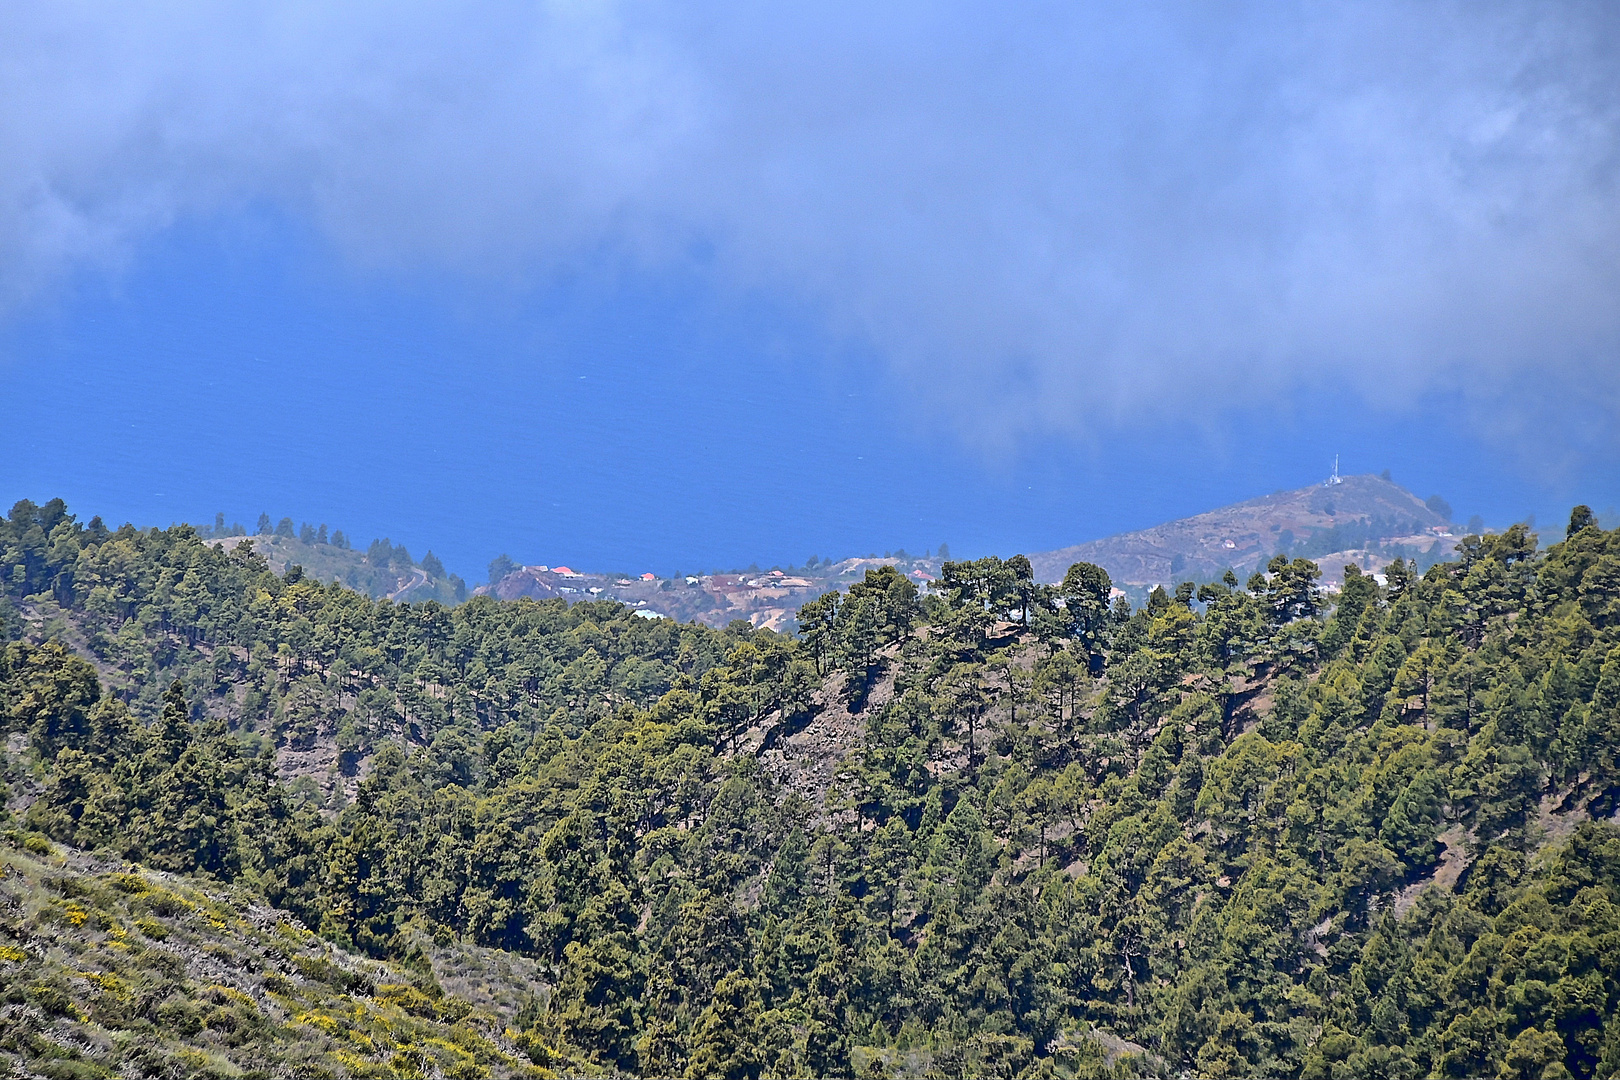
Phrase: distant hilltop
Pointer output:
(1368, 520)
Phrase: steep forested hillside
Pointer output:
(1234, 832)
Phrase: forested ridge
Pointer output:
(1245, 829)
(381, 569)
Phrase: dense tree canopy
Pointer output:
(1247, 829)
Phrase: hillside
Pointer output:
(382, 571)
(1364, 519)
(109, 969)
(997, 831)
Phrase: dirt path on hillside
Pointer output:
(419, 577)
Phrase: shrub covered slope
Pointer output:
(110, 970)
(1240, 831)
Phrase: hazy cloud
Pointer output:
(1048, 217)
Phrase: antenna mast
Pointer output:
(1335, 478)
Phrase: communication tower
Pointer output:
(1335, 478)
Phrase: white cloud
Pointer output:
(1048, 217)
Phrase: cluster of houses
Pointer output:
(768, 599)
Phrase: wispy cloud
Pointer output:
(1048, 217)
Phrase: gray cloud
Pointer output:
(1047, 217)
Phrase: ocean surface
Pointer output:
(629, 422)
